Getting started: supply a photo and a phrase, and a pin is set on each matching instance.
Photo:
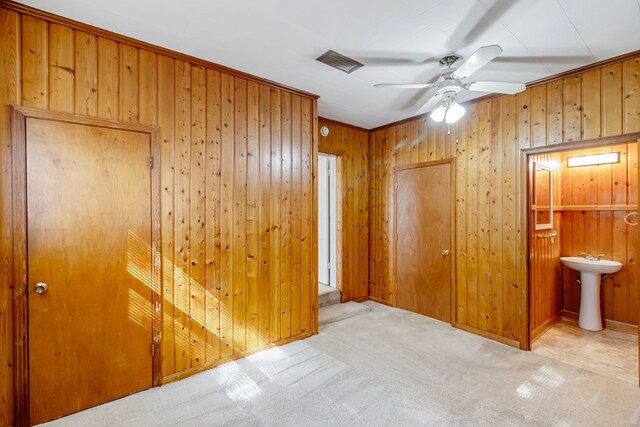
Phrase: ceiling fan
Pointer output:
(442, 105)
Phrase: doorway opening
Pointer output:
(582, 204)
(328, 233)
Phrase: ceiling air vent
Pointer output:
(340, 62)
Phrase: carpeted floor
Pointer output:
(387, 367)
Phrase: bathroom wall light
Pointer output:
(594, 159)
(449, 112)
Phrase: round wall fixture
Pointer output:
(324, 131)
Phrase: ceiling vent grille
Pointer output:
(340, 62)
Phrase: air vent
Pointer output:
(340, 62)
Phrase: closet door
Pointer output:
(424, 236)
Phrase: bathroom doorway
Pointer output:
(582, 205)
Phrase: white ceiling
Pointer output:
(398, 40)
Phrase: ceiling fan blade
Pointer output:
(479, 59)
(430, 104)
(496, 87)
(489, 18)
(405, 86)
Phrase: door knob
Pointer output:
(40, 288)
(445, 252)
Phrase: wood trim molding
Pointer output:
(19, 117)
(545, 326)
(596, 208)
(489, 335)
(215, 363)
(423, 164)
(380, 301)
(339, 123)
(584, 68)
(50, 17)
(628, 328)
(626, 138)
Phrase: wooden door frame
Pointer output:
(19, 117)
(524, 244)
(452, 255)
(339, 220)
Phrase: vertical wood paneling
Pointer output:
(197, 217)
(285, 220)
(239, 217)
(253, 164)
(307, 190)
(226, 217)
(35, 62)
(61, 68)
(275, 213)
(108, 75)
(591, 101)
(222, 177)
(182, 191)
(86, 88)
(128, 83)
(631, 84)
(212, 220)
(572, 92)
(264, 222)
(166, 114)
(612, 100)
(148, 86)
(9, 94)
(296, 261)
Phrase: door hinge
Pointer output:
(153, 349)
(151, 162)
(328, 266)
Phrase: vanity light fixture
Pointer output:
(594, 159)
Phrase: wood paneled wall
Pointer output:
(595, 200)
(237, 185)
(490, 261)
(545, 269)
(351, 144)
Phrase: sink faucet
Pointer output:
(590, 257)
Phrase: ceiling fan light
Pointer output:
(438, 114)
(454, 113)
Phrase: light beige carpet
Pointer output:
(387, 367)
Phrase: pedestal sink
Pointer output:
(590, 273)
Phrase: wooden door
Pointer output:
(89, 239)
(424, 237)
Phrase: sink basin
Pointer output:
(583, 265)
(590, 275)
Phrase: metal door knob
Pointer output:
(445, 252)
(40, 288)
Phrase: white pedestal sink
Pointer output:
(590, 271)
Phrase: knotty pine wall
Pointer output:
(595, 200)
(490, 261)
(237, 188)
(351, 145)
(545, 270)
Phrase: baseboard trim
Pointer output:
(215, 363)
(546, 325)
(488, 335)
(614, 325)
(380, 301)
